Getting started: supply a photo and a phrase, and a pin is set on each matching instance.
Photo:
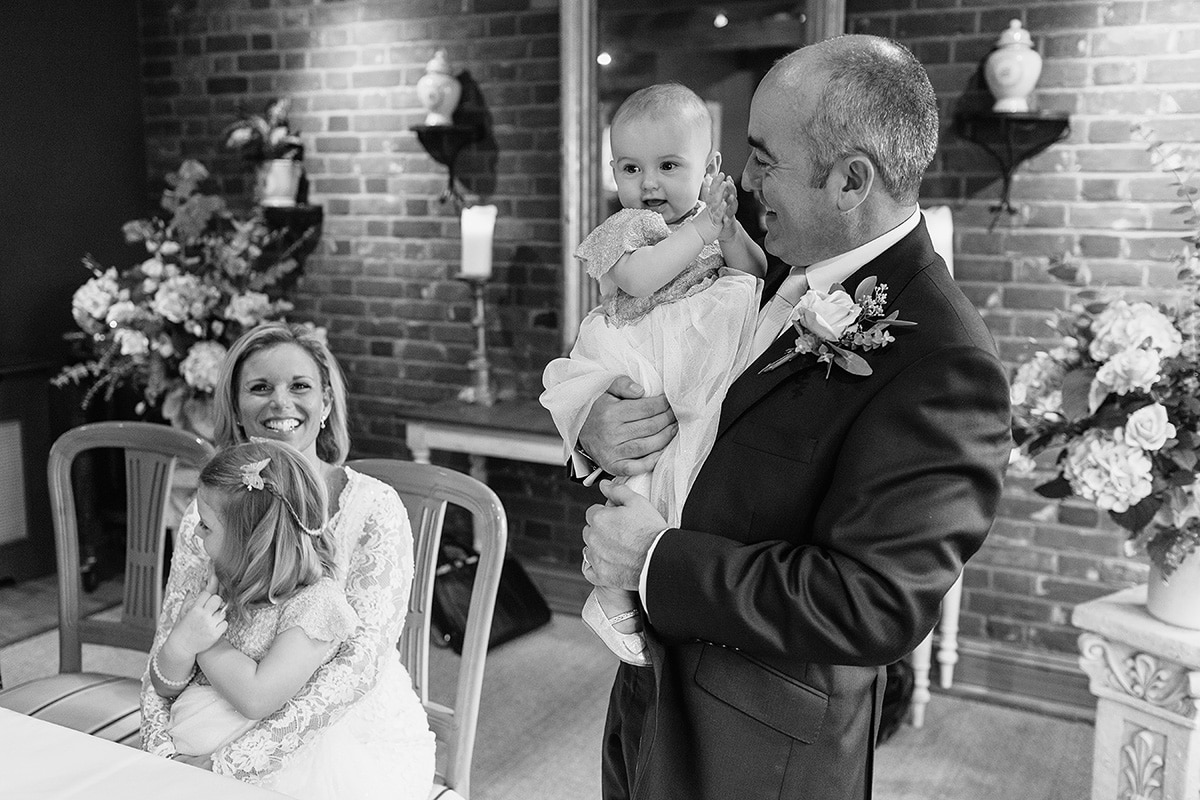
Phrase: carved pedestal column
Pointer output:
(1146, 678)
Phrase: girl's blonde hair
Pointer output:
(273, 511)
(333, 440)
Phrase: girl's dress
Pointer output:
(363, 691)
(335, 764)
(689, 340)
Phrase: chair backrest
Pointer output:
(426, 491)
(151, 452)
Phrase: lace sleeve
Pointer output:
(189, 572)
(321, 611)
(623, 232)
(378, 582)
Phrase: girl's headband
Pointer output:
(252, 479)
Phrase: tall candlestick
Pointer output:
(478, 224)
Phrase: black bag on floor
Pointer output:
(520, 607)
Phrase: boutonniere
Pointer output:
(833, 325)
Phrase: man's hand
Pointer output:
(618, 536)
(624, 432)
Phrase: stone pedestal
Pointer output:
(1146, 678)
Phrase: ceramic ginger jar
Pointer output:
(1012, 69)
(438, 90)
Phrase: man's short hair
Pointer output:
(877, 101)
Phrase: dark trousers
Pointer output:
(628, 704)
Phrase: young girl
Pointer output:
(679, 281)
(270, 616)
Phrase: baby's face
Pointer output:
(660, 164)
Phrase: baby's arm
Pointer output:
(257, 689)
(645, 270)
(740, 251)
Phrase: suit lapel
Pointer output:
(896, 266)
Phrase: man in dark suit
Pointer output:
(834, 510)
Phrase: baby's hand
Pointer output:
(203, 623)
(722, 206)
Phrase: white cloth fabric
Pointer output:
(364, 688)
(690, 349)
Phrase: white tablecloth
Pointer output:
(43, 761)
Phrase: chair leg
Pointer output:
(948, 647)
(921, 660)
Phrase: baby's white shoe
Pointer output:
(629, 647)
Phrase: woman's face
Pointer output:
(280, 396)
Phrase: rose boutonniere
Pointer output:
(833, 325)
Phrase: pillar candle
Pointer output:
(478, 223)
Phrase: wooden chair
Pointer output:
(95, 703)
(426, 491)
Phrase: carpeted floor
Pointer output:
(543, 708)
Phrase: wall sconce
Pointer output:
(439, 92)
(478, 227)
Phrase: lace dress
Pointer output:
(363, 690)
(689, 340)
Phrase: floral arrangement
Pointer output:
(833, 325)
(266, 136)
(163, 326)
(1120, 400)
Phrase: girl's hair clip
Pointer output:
(252, 474)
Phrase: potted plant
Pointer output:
(1119, 400)
(267, 141)
(162, 326)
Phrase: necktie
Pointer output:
(774, 315)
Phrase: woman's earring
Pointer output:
(323, 423)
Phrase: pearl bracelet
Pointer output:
(163, 679)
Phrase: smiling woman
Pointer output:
(280, 382)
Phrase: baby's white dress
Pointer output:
(363, 689)
(689, 340)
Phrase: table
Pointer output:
(43, 761)
(1146, 678)
(520, 430)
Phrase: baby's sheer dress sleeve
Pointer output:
(189, 573)
(377, 588)
(623, 232)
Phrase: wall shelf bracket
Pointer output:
(1011, 138)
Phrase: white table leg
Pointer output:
(948, 647)
(418, 442)
(921, 659)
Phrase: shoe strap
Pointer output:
(624, 615)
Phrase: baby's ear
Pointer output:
(714, 164)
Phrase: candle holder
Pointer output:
(480, 391)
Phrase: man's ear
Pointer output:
(856, 177)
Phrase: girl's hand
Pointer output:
(203, 623)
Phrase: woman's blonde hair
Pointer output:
(333, 440)
(273, 508)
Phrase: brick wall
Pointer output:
(1095, 197)
(400, 325)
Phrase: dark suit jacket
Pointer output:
(827, 523)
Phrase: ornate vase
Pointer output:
(278, 182)
(1176, 599)
(1012, 69)
(438, 90)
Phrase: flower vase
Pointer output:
(1012, 69)
(278, 182)
(1176, 600)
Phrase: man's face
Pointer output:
(660, 164)
(802, 221)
